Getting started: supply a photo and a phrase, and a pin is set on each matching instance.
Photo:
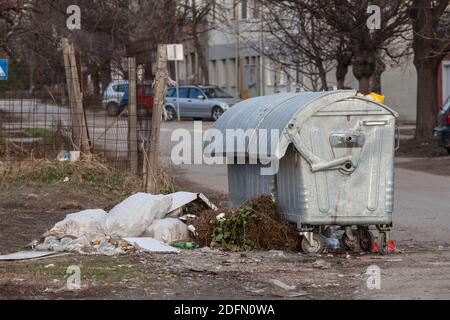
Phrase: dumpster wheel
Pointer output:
(317, 246)
(366, 240)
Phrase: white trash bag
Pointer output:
(134, 215)
(168, 231)
(88, 223)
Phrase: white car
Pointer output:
(113, 95)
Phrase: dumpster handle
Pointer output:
(397, 138)
(316, 163)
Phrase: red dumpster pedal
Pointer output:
(375, 248)
(391, 245)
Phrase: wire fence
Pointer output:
(45, 124)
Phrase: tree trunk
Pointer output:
(364, 85)
(375, 80)
(364, 65)
(341, 73)
(200, 54)
(323, 77)
(427, 98)
(96, 82)
(105, 75)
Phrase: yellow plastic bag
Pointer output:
(377, 97)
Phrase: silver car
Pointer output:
(199, 102)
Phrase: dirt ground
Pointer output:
(26, 213)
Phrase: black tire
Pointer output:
(171, 114)
(448, 150)
(383, 248)
(113, 109)
(366, 240)
(217, 112)
(316, 248)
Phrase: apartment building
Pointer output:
(236, 63)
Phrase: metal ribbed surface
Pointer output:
(272, 112)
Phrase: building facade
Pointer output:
(235, 45)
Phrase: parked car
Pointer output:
(442, 132)
(113, 95)
(202, 102)
(144, 99)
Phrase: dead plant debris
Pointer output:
(256, 225)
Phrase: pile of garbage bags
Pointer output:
(146, 216)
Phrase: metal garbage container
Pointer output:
(334, 161)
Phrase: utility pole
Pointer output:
(161, 78)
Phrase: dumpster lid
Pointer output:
(253, 124)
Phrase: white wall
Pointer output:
(399, 85)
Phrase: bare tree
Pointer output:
(194, 21)
(298, 41)
(431, 25)
(349, 20)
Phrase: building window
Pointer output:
(244, 9)
(213, 72)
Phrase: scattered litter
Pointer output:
(256, 292)
(332, 237)
(52, 244)
(187, 217)
(66, 156)
(289, 294)
(321, 264)
(151, 245)
(181, 199)
(66, 180)
(28, 255)
(108, 249)
(277, 253)
(140, 218)
(192, 229)
(33, 244)
(49, 266)
(185, 245)
(395, 260)
(281, 285)
(280, 289)
(220, 217)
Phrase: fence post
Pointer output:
(161, 79)
(76, 98)
(132, 115)
(76, 136)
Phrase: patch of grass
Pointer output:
(104, 269)
(86, 175)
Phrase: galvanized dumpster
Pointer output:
(327, 158)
